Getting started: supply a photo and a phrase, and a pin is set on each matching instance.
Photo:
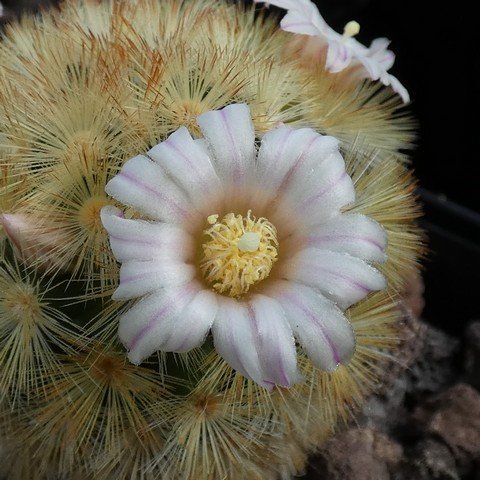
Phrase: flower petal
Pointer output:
(235, 338)
(339, 276)
(141, 240)
(397, 87)
(320, 326)
(193, 324)
(373, 68)
(189, 166)
(287, 4)
(339, 56)
(230, 137)
(379, 51)
(275, 341)
(138, 278)
(296, 21)
(355, 234)
(143, 328)
(302, 16)
(144, 185)
(288, 171)
(320, 188)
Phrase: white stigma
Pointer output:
(212, 219)
(249, 242)
(351, 29)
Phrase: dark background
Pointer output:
(437, 45)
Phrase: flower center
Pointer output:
(351, 29)
(239, 252)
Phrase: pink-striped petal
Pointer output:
(373, 68)
(143, 328)
(236, 340)
(339, 56)
(145, 186)
(323, 330)
(192, 325)
(284, 160)
(189, 166)
(302, 5)
(379, 51)
(397, 87)
(340, 277)
(355, 234)
(138, 278)
(142, 240)
(275, 341)
(302, 16)
(296, 21)
(230, 137)
(319, 188)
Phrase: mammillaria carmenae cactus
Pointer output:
(251, 191)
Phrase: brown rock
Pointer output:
(454, 417)
(429, 459)
(472, 354)
(357, 454)
(435, 368)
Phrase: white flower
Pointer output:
(252, 245)
(342, 50)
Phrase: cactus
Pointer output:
(85, 89)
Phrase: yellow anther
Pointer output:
(351, 29)
(240, 252)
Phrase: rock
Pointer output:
(357, 454)
(435, 367)
(387, 411)
(428, 459)
(454, 417)
(472, 354)
(425, 363)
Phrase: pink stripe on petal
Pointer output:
(253, 320)
(313, 318)
(296, 24)
(298, 162)
(308, 202)
(318, 239)
(348, 280)
(204, 184)
(237, 170)
(153, 322)
(154, 192)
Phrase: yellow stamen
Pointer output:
(351, 29)
(239, 253)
